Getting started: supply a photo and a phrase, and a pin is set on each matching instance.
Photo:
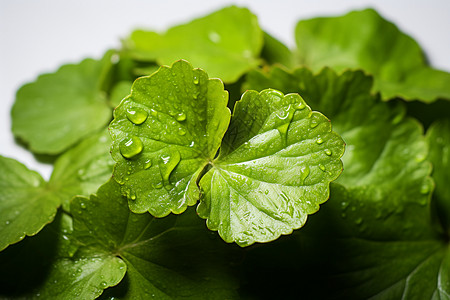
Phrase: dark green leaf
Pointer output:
(438, 137)
(26, 204)
(167, 258)
(227, 43)
(59, 109)
(363, 39)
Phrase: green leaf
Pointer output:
(275, 52)
(164, 134)
(82, 169)
(46, 266)
(378, 221)
(168, 258)
(362, 255)
(26, 204)
(120, 91)
(381, 142)
(274, 169)
(438, 138)
(363, 39)
(227, 43)
(161, 157)
(59, 109)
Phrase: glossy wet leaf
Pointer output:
(381, 141)
(276, 162)
(173, 257)
(226, 43)
(26, 204)
(183, 117)
(82, 169)
(379, 220)
(57, 110)
(363, 39)
(438, 138)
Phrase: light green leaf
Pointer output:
(59, 109)
(438, 138)
(363, 39)
(164, 134)
(274, 169)
(379, 220)
(82, 169)
(168, 258)
(120, 91)
(26, 204)
(227, 43)
(381, 142)
(275, 52)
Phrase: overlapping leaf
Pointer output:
(26, 204)
(363, 39)
(438, 138)
(59, 109)
(227, 43)
(164, 134)
(82, 169)
(275, 165)
(162, 155)
(379, 221)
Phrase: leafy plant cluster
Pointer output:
(217, 120)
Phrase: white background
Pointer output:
(37, 36)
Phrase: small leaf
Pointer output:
(59, 109)
(159, 159)
(363, 39)
(26, 205)
(275, 165)
(82, 169)
(227, 43)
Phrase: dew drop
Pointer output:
(137, 115)
(131, 147)
(304, 173)
(322, 167)
(180, 117)
(154, 113)
(214, 37)
(328, 152)
(181, 131)
(147, 164)
(319, 141)
(83, 205)
(167, 163)
(196, 81)
(313, 123)
(103, 284)
(300, 106)
(158, 185)
(266, 192)
(7, 222)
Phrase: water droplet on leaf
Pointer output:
(131, 147)
(328, 152)
(181, 117)
(137, 115)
